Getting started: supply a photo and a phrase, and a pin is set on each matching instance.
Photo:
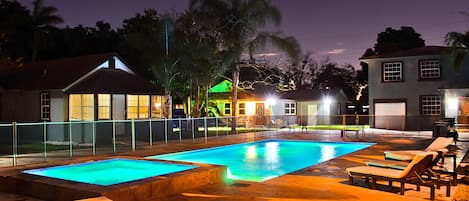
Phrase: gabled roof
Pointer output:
(114, 81)
(91, 74)
(421, 51)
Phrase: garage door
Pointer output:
(390, 115)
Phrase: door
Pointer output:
(390, 115)
(312, 114)
(463, 111)
(260, 115)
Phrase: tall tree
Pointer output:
(392, 40)
(239, 24)
(15, 29)
(43, 17)
(459, 43)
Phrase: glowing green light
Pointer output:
(222, 87)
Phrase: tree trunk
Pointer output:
(169, 104)
(196, 101)
(234, 98)
(206, 99)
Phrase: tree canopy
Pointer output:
(392, 40)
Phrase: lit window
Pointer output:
(429, 69)
(392, 72)
(227, 108)
(156, 107)
(242, 108)
(104, 106)
(431, 105)
(290, 108)
(45, 106)
(138, 106)
(81, 107)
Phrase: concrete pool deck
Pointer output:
(325, 181)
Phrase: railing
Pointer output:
(24, 143)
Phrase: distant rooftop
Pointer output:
(427, 50)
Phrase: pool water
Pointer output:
(110, 172)
(263, 160)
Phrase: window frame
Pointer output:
(421, 78)
(227, 109)
(82, 107)
(45, 106)
(383, 72)
(243, 109)
(290, 108)
(430, 113)
(138, 107)
(109, 107)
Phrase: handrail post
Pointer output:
(44, 132)
(114, 135)
(93, 127)
(133, 135)
(193, 129)
(15, 142)
(151, 133)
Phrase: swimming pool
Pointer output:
(109, 172)
(263, 160)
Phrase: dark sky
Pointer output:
(340, 29)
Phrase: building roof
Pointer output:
(114, 81)
(312, 94)
(71, 73)
(421, 51)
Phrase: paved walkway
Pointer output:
(325, 181)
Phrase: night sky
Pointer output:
(340, 29)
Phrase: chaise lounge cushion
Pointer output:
(439, 144)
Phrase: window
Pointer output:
(290, 108)
(431, 105)
(429, 69)
(392, 72)
(138, 106)
(242, 108)
(156, 107)
(227, 108)
(104, 106)
(45, 106)
(81, 107)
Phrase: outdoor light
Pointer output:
(327, 100)
(271, 101)
(453, 103)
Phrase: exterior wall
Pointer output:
(411, 88)
(58, 106)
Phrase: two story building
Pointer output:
(411, 89)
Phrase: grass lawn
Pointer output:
(333, 127)
(38, 148)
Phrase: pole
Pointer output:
(133, 135)
(15, 142)
(44, 131)
(206, 129)
(70, 139)
(93, 126)
(151, 133)
(166, 131)
(114, 135)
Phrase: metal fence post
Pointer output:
(193, 131)
(180, 131)
(15, 142)
(151, 133)
(93, 127)
(133, 135)
(70, 139)
(44, 132)
(206, 128)
(166, 131)
(114, 135)
(216, 125)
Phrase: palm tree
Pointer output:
(43, 17)
(238, 24)
(459, 43)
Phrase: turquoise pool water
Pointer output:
(110, 172)
(263, 160)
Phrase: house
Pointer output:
(268, 108)
(84, 88)
(318, 107)
(411, 89)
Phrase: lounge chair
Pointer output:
(412, 173)
(439, 144)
